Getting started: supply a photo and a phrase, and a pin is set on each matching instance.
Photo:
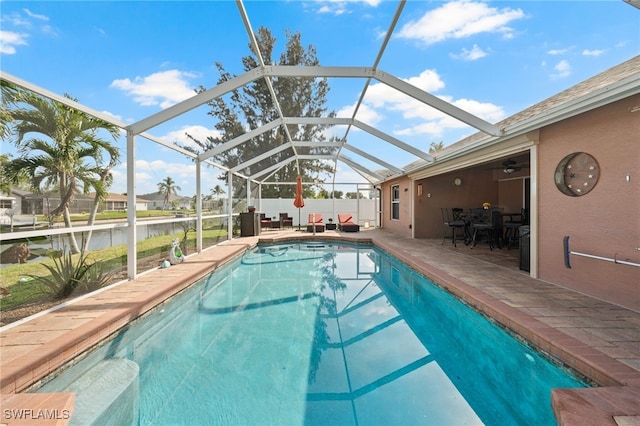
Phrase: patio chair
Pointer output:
(453, 223)
(265, 222)
(286, 220)
(512, 226)
(346, 223)
(315, 223)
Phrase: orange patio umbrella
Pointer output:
(298, 202)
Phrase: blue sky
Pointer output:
(493, 59)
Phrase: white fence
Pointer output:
(364, 211)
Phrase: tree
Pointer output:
(10, 95)
(354, 195)
(435, 147)
(166, 188)
(70, 156)
(252, 106)
(216, 192)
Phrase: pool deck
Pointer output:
(598, 339)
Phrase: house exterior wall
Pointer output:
(402, 226)
(141, 205)
(604, 222)
(479, 185)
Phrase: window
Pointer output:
(395, 202)
(5, 204)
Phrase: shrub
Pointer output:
(67, 275)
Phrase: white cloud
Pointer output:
(35, 15)
(365, 114)
(382, 101)
(562, 69)
(110, 114)
(435, 123)
(460, 19)
(198, 132)
(15, 19)
(485, 110)
(150, 173)
(555, 52)
(9, 40)
(341, 7)
(379, 95)
(596, 52)
(470, 55)
(163, 88)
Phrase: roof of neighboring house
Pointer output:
(112, 196)
(592, 92)
(159, 196)
(20, 192)
(53, 196)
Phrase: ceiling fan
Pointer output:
(510, 166)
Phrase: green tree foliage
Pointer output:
(10, 95)
(354, 195)
(435, 147)
(167, 187)
(252, 106)
(60, 147)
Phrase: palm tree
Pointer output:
(435, 147)
(166, 188)
(217, 191)
(71, 156)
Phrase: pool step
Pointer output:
(107, 394)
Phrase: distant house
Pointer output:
(7, 202)
(7, 207)
(31, 203)
(156, 201)
(118, 202)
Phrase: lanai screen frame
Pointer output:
(267, 72)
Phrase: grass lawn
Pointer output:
(24, 289)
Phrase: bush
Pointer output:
(67, 276)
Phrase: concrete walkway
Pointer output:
(599, 340)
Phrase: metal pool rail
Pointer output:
(568, 253)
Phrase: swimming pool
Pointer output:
(314, 333)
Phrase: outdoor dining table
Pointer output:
(494, 232)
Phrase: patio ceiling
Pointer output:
(358, 159)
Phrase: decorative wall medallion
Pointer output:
(577, 174)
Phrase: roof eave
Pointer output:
(613, 92)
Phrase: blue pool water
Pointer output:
(319, 334)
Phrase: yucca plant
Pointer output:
(68, 275)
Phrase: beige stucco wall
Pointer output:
(401, 226)
(604, 222)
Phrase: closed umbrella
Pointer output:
(298, 202)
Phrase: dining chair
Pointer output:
(512, 227)
(453, 224)
(482, 222)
